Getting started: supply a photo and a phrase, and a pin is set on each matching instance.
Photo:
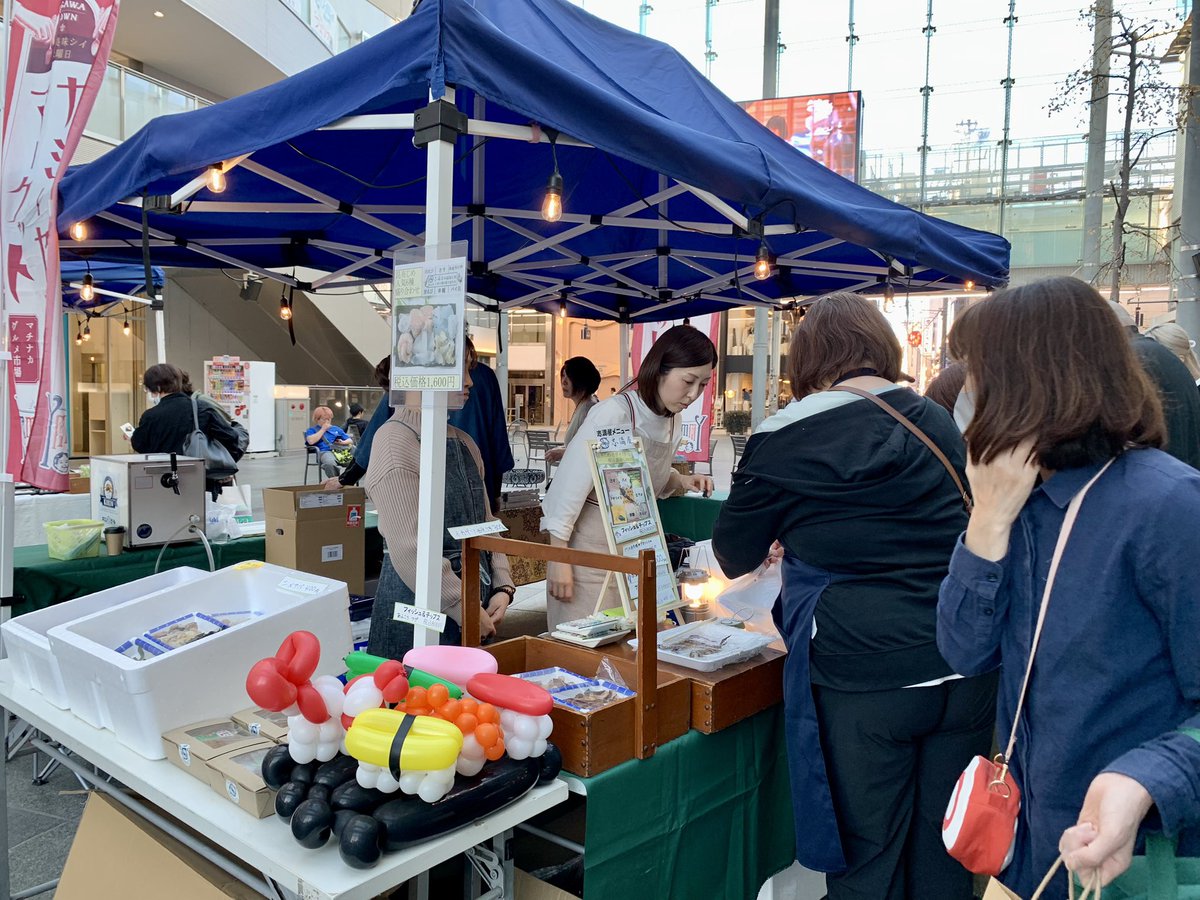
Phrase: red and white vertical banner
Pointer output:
(697, 418)
(55, 60)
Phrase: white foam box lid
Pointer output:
(25, 640)
(143, 699)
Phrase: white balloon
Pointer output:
(302, 751)
(327, 750)
(539, 747)
(507, 719)
(386, 783)
(410, 782)
(360, 701)
(367, 775)
(332, 691)
(433, 788)
(300, 729)
(519, 748)
(526, 728)
(545, 726)
(469, 766)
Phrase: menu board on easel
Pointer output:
(627, 505)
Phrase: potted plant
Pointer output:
(737, 421)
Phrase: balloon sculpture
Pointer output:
(400, 729)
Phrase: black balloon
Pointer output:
(362, 841)
(277, 767)
(289, 797)
(312, 823)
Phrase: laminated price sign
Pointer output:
(628, 507)
(428, 305)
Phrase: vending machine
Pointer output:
(246, 388)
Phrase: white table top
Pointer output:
(263, 844)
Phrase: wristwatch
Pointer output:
(505, 589)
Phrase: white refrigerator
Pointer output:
(246, 388)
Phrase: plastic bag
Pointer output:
(220, 521)
(754, 592)
(606, 671)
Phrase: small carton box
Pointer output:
(192, 746)
(318, 531)
(264, 723)
(237, 776)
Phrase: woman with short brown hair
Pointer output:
(1109, 727)
(866, 517)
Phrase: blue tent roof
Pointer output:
(658, 200)
(121, 278)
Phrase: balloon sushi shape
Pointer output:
(524, 712)
(399, 751)
(284, 683)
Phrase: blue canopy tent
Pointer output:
(450, 126)
(114, 283)
(670, 188)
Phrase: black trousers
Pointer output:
(893, 758)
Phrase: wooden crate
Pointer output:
(628, 729)
(593, 743)
(724, 697)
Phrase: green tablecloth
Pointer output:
(691, 516)
(709, 815)
(39, 581)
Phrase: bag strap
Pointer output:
(1093, 890)
(195, 413)
(968, 503)
(1063, 534)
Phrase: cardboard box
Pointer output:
(526, 887)
(318, 531)
(80, 484)
(116, 855)
(237, 776)
(264, 722)
(591, 744)
(192, 746)
(730, 694)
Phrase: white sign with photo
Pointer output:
(428, 306)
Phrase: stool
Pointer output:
(312, 460)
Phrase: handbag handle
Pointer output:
(1088, 890)
(968, 503)
(1063, 534)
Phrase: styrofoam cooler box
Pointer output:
(141, 699)
(33, 663)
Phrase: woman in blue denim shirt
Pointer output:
(1109, 742)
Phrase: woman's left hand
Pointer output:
(1102, 841)
(774, 555)
(497, 606)
(701, 483)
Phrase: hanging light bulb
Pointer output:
(562, 309)
(78, 337)
(78, 232)
(762, 262)
(216, 179)
(87, 293)
(126, 329)
(552, 204)
(889, 298)
(285, 309)
(87, 332)
(970, 285)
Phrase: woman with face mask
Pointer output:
(673, 374)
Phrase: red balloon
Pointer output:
(312, 704)
(300, 652)
(396, 689)
(268, 688)
(386, 672)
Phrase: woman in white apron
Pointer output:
(673, 374)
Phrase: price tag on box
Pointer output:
(423, 618)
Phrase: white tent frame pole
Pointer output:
(439, 202)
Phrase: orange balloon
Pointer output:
(487, 734)
(470, 705)
(438, 695)
(450, 710)
(495, 751)
(417, 696)
(466, 723)
(488, 713)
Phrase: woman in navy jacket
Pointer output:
(878, 724)
(1108, 743)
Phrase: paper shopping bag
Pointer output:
(996, 891)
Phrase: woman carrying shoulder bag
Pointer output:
(864, 515)
(1107, 742)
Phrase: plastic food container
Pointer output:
(708, 646)
(73, 538)
(34, 664)
(141, 699)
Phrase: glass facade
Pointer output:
(105, 377)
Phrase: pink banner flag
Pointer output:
(57, 53)
(697, 418)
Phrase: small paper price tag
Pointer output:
(424, 618)
(462, 532)
(614, 439)
(331, 553)
(300, 586)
